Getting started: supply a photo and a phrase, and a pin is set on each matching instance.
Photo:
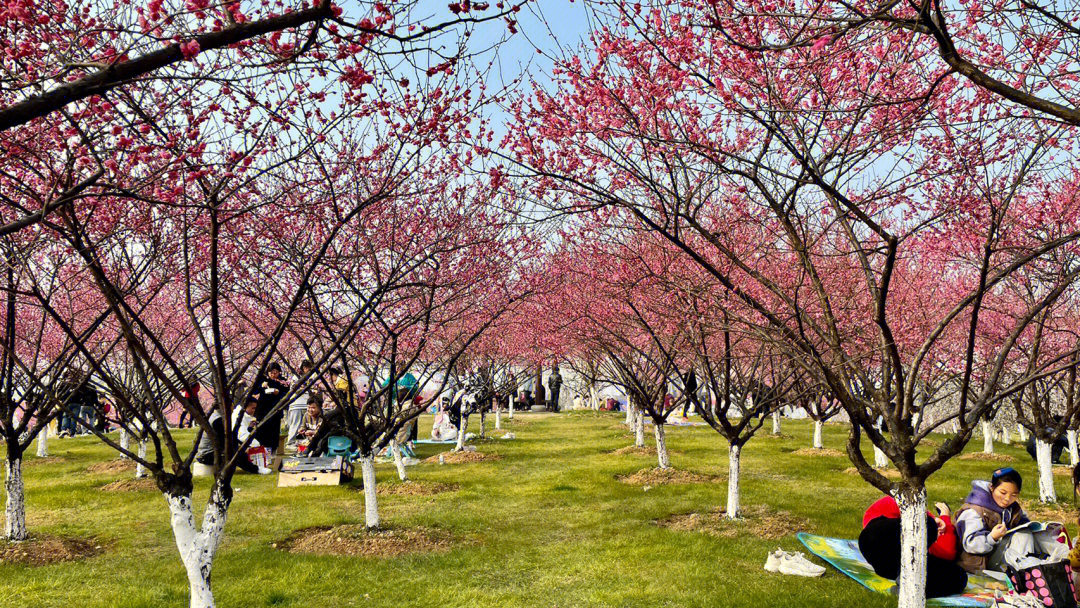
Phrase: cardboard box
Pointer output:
(314, 472)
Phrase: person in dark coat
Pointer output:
(271, 389)
(554, 386)
(689, 390)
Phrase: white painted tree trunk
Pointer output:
(1047, 494)
(818, 443)
(776, 422)
(733, 510)
(371, 506)
(498, 416)
(1074, 458)
(881, 461)
(639, 429)
(125, 442)
(1006, 438)
(140, 471)
(43, 442)
(988, 437)
(198, 546)
(510, 414)
(912, 583)
(399, 462)
(461, 433)
(483, 425)
(594, 399)
(631, 414)
(663, 461)
(1022, 433)
(955, 427)
(15, 506)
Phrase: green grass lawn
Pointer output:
(547, 525)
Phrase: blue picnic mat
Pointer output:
(844, 555)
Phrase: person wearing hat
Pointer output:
(984, 522)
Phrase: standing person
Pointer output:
(87, 398)
(271, 389)
(190, 393)
(298, 408)
(554, 386)
(690, 388)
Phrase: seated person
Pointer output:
(313, 419)
(204, 453)
(333, 423)
(443, 429)
(244, 422)
(989, 512)
(879, 543)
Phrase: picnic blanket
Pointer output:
(843, 554)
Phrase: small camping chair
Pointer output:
(338, 446)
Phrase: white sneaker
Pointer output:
(772, 563)
(796, 564)
(265, 471)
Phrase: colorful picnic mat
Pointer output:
(844, 555)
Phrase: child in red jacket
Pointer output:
(879, 543)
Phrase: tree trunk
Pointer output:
(371, 506)
(1006, 438)
(818, 443)
(399, 462)
(988, 437)
(125, 442)
(1074, 458)
(498, 415)
(631, 414)
(510, 414)
(1021, 433)
(733, 510)
(198, 547)
(461, 433)
(15, 507)
(43, 442)
(881, 461)
(912, 583)
(639, 429)
(594, 400)
(776, 422)
(483, 425)
(140, 471)
(661, 447)
(1046, 472)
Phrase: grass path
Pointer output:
(546, 526)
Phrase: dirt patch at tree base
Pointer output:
(118, 465)
(1063, 471)
(415, 488)
(42, 550)
(354, 540)
(1062, 512)
(758, 520)
(659, 477)
(635, 450)
(771, 436)
(47, 460)
(888, 473)
(989, 457)
(462, 457)
(818, 452)
(130, 485)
